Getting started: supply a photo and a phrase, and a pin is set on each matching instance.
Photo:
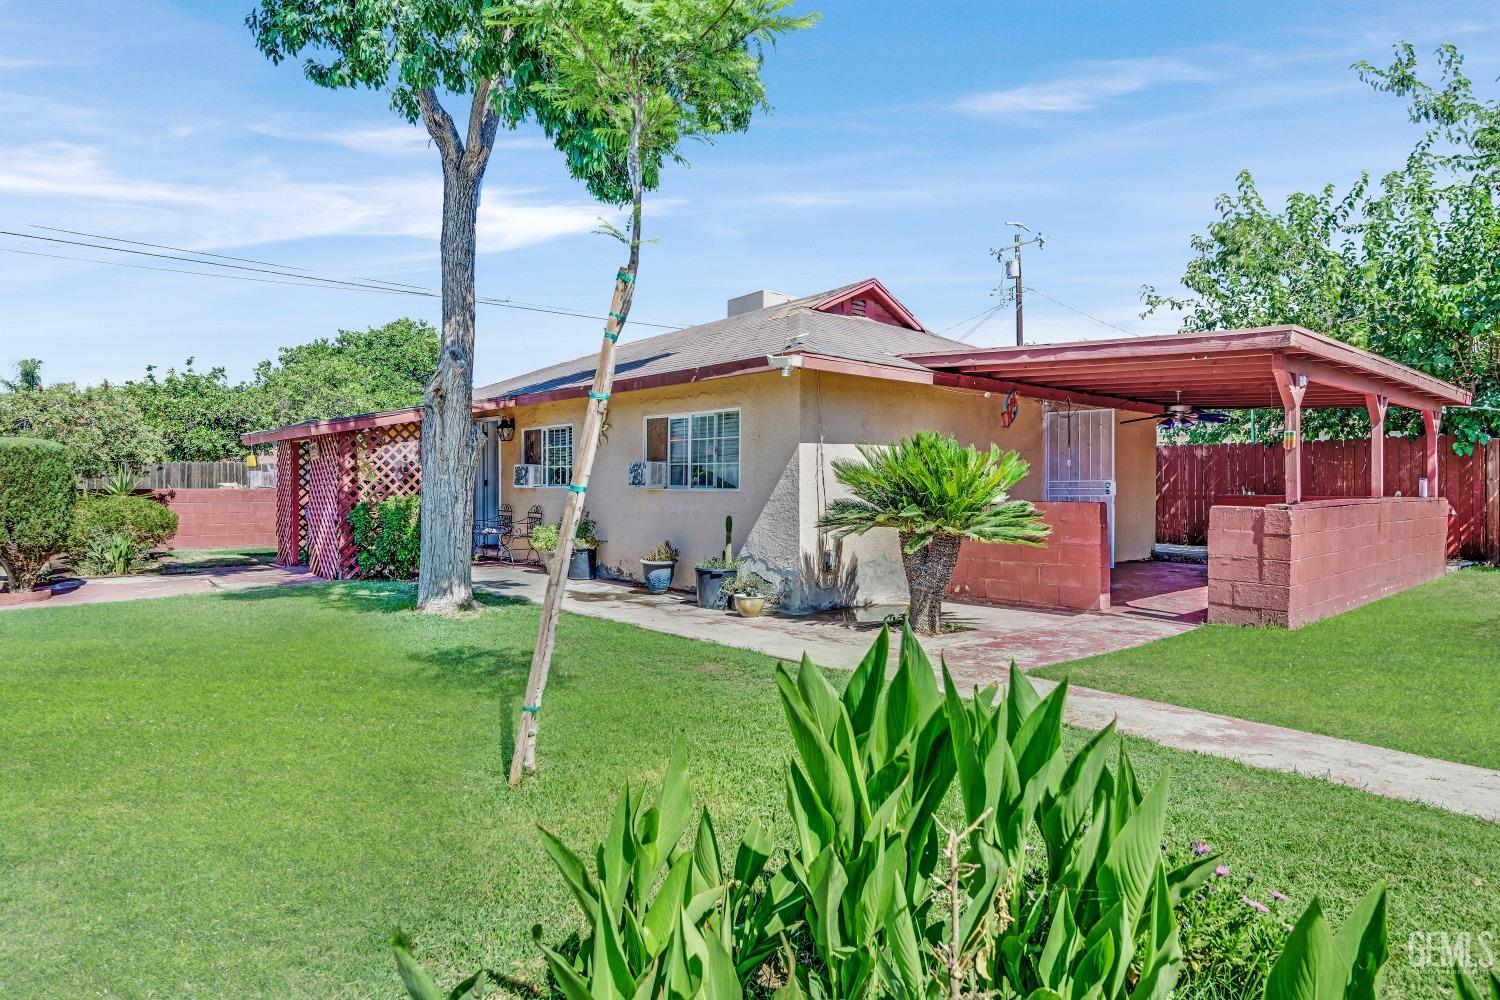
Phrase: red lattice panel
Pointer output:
(330, 482)
(289, 495)
(389, 462)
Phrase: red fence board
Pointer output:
(1189, 477)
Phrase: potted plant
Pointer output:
(544, 540)
(657, 567)
(585, 549)
(751, 593)
(715, 571)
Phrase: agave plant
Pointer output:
(935, 493)
(120, 483)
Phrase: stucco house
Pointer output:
(744, 415)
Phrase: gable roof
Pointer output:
(814, 324)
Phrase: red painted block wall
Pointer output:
(223, 519)
(1070, 571)
(1290, 565)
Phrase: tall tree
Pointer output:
(646, 77)
(199, 415)
(357, 371)
(28, 376)
(100, 424)
(1408, 268)
(417, 50)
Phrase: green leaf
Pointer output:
(1362, 941)
(419, 985)
(1310, 966)
(862, 693)
(1135, 854)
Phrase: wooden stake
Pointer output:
(524, 759)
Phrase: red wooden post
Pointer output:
(288, 506)
(1430, 428)
(1291, 386)
(1376, 404)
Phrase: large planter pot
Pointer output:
(10, 597)
(658, 575)
(581, 565)
(709, 583)
(749, 607)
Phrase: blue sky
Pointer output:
(904, 136)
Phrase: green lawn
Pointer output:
(1419, 671)
(241, 795)
(183, 560)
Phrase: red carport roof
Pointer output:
(1229, 369)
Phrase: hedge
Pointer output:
(37, 495)
(144, 520)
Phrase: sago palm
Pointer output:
(935, 493)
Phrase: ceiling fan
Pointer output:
(1181, 416)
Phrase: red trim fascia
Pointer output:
(312, 428)
(873, 285)
(979, 383)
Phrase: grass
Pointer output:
(1419, 671)
(243, 794)
(186, 560)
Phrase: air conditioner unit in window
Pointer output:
(656, 475)
(528, 475)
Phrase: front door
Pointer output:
(1079, 451)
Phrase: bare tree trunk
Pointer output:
(929, 572)
(450, 441)
(523, 760)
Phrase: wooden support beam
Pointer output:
(1291, 385)
(1376, 404)
(1430, 428)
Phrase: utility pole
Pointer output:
(1020, 335)
(1013, 270)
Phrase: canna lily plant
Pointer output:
(935, 493)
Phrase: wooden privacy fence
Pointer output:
(1189, 477)
(202, 475)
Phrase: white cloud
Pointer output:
(395, 139)
(71, 184)
(1089, 84)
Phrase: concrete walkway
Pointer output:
(982, 656)
(108, 590)
(978, 655)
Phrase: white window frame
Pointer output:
(688, 416)
(545, 465)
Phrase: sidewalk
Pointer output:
(108, 590)
(1033, 638)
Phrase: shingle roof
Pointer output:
(794, 325)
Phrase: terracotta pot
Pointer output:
(749, 607)
(10, 597)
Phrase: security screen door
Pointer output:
(1079, 450)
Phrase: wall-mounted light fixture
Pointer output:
(507, 428)
(785, 362)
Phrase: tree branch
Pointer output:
(484, 122)
(440, 126)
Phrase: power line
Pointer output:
(1096, 319)
(301, 277)
(988, 315)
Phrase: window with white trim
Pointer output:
(552, 449)
(701, 450)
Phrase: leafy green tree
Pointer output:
(28, 376)
(101, 425)
(1408, 268)
(417, 50)
(637, 81)
(199, 415)
(935, 493)
(358, 371)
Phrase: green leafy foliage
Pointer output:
(28, 376)
(665, 552)
(388, 537)
(37, 494)
(929, 485)
(108, 553)
(101, 425)
(544, 538)
(199, 415)
(144, 521)
(1318, 964)
(1408, 267)
(119, 483)
(1467, 989)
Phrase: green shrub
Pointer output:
(1052, 884)
(144, 520)
(388, 537)
(108, 553)
(37, 495)
(544, 538)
